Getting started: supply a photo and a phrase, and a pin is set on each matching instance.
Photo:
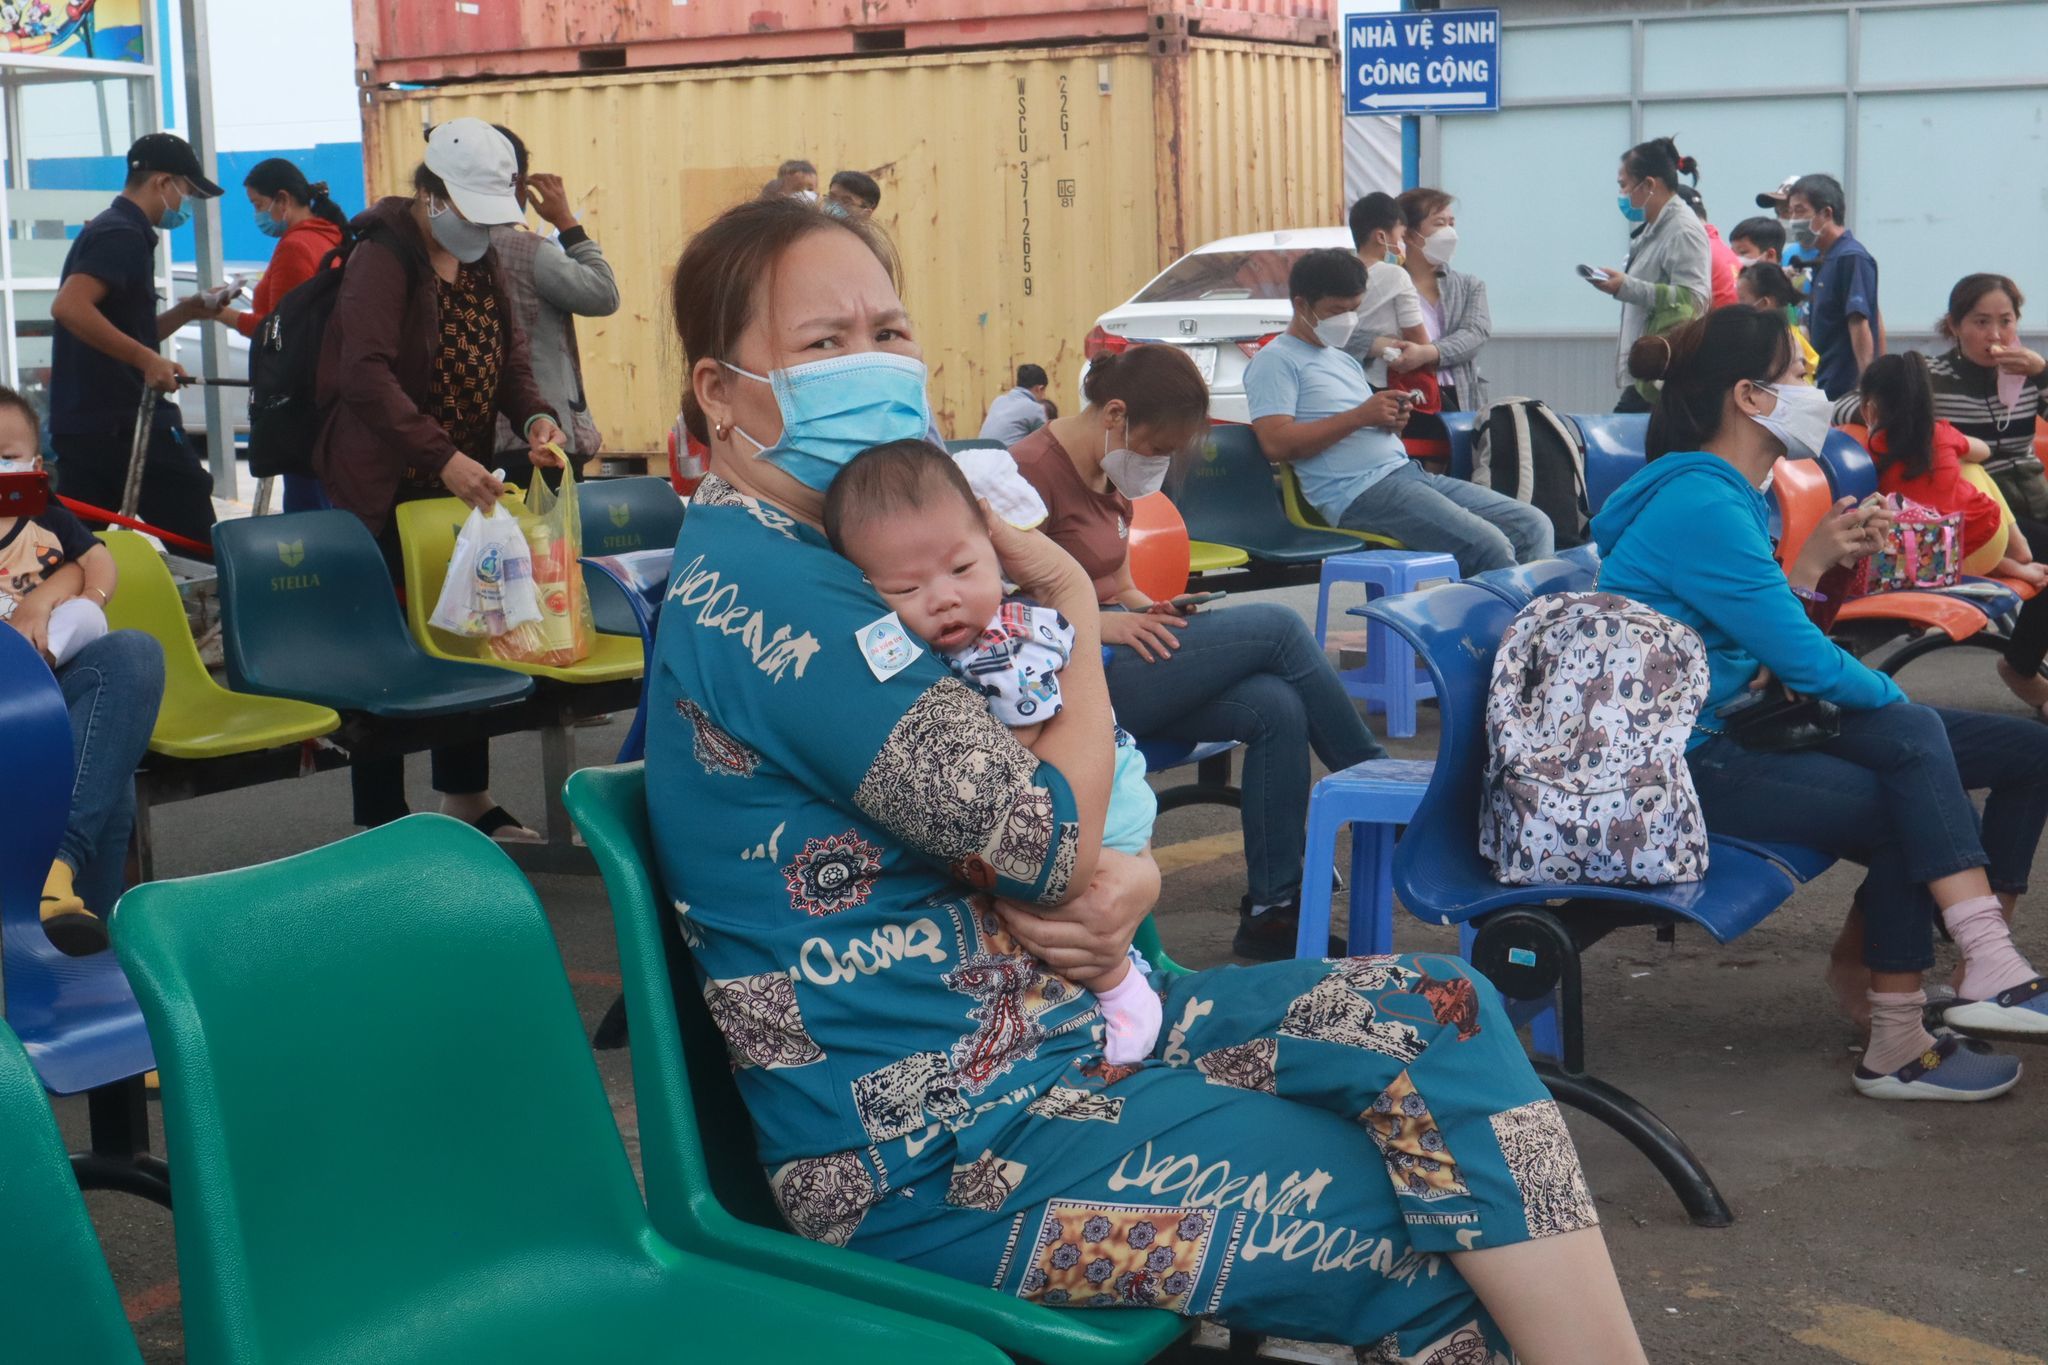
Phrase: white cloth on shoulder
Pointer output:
(994, 476)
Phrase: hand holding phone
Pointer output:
(1188, 601)
(1593, 273)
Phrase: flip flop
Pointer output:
(76, 933)
(496, 821)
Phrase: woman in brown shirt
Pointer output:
(1251, 672)
(420, 356)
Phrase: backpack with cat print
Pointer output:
(1592, 701)
(1523, 449)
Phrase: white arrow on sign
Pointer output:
(1409, 101)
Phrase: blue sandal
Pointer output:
(2020, 1013)
(1953, 1069)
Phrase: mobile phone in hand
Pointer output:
(1593, 273)
(1196, 599)
(24, 494)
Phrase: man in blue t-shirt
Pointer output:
(105, 344)
(1842, 319)
(1313, 410)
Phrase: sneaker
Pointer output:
(1269, 936)
(2021, 1012)
(1953, 1069)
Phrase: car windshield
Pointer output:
(1211, 275)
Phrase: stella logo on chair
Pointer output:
(292, 553)
(622, 512)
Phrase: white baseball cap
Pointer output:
(476, 163)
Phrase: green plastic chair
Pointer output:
(198, 718)
(426, 538)
(59, 1302)
(390, 1142)
(705, 1188)
(1303, 513)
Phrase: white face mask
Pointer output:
(1800, 420)
(1335, 331)
(1130, 473)
(1440, 246)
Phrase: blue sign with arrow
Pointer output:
(1427, 62)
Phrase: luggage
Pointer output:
(1592, 702)
(1523, 449)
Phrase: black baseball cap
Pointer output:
(172, 155)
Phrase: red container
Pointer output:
(419, 41)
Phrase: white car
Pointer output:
(1219, 303)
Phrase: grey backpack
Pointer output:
(1592, 701)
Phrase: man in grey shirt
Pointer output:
(550, 282)
(1021, 411)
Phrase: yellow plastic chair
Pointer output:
(199, 718)
(1206, 557)
(426, 538)
(1302, 513)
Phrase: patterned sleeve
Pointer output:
(827, 683)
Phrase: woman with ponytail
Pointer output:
(307, 223)
(1688, 537)
(1668, 280)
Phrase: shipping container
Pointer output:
(425, 41)
(1027, 192)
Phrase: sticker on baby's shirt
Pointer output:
(887, 647)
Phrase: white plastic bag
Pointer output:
(489, 587)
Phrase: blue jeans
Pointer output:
(112, 690)
(1424, 511)
(1892, 793)
(1251, 673)
(302, 493)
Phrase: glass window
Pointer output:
(1535, 192)
(1568, 59)
(1223, 275)
(1934, 200)
(1745, 147)
(32, 345)
(65, 159)
(1745, 54)
(1965, 43)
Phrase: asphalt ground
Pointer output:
(1885, 1234)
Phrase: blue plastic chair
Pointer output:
(1586, 556)
(75, 1016)
(1850, 470)
(1460, 426)
(1527, 940)
(1227, 496)
(621, 516)
(1374, 798)
(307, 611)
(1520, 584)
(1614, 451)
(644, 611)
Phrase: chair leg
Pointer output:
(1372, 890)
(1651, 1136)
(611, 1030)
(117, 1120)
(1312, 935)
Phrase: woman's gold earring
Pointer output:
(721, 431)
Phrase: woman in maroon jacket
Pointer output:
(421, 355)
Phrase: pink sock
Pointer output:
(1897, 1034)
(1990, 961)
(1132, 1011)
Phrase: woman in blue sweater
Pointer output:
(1687, 537)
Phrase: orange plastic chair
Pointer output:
(1159, 547)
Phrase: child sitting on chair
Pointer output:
(891, 508)
(55, 582)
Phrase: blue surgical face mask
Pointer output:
(174, 219)
(1630, 211)
(834, 409)
(268, 226)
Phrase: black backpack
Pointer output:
(1523, 449)
(284, 366)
